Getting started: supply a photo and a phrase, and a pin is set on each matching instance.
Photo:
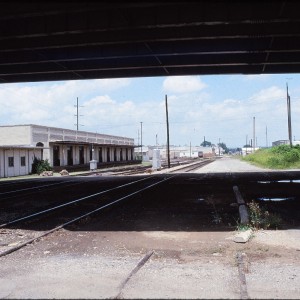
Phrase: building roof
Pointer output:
(68, 129)
(22, 147)
(90, 143)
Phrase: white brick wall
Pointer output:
(15, 135)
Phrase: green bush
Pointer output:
(292, 155)
(39, 166)
(282, 149)
(279, 157)
(273, 162)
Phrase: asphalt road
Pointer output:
(229, 164)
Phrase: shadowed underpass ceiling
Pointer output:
(45, 41)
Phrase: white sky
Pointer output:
(217, 107)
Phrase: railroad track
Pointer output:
(21, 201)
(185, 168)
(38, 187)
(131, 170)
(18, 238)
(19, 196)
(99, 200)
(96, 200)
(192, 167)
(15, 239)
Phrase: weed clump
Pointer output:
(261, 218)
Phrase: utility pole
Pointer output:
(219, 146)
(77, 115)
(142, 140)
(138, 137)
(288, 98)
(168, 138)
(253, 134)
(266, 136)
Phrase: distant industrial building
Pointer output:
(248, 150)
(285, 142)
(280, 142)
(178, 152)
(20, 144)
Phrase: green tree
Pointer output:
(205, 144)
(223, 145)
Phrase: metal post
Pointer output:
(289, 115)
(138, 140)
(168, 141)
(253, 135)
(77, 114)
(142, 140)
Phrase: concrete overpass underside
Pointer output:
(46, 41)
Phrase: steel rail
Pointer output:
(68, 203)
(192, 167)
(4, 182)
(81, 217)
(140, 264)
(40, 191)
(35, 187)
(142, 170)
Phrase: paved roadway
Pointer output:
(228, 164)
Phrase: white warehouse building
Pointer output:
(20, 144)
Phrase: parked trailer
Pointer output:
(193, 154)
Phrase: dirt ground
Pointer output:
(194, 255)
(93, 264)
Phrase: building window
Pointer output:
(11, 161)
(23, 162)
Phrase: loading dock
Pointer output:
(61, 147)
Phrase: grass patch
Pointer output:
(279, 157)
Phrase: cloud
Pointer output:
(257, 77)
(99, 100)
(183, 84)
(270, 94)
(119, 106)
